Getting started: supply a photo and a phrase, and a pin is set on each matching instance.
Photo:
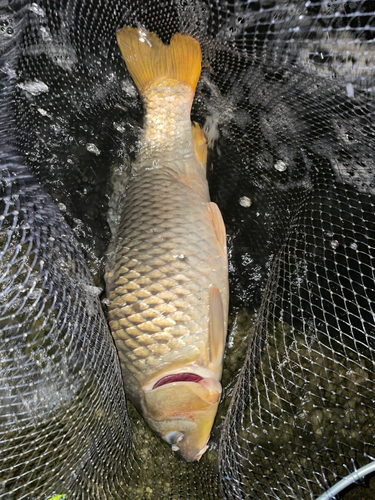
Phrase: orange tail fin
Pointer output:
(149, 60)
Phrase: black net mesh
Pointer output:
(286, 98)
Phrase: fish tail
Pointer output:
(149, 60)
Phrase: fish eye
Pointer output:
(175, 437)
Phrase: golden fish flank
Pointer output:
(167, 280)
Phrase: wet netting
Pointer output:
(286, 100)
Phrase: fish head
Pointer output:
(183, 413)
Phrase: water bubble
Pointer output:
(280, 166)
(245, 202)
(62, 207)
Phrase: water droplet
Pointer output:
(95, 291)
(349, 90)
(129, 88)
(334, 244)
(245, 201)
(93, 149)
(36, 9)
(120, 128)
(34, 88)
(280, 166)
(354, 245)
(246, 260)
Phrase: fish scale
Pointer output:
(166, 259)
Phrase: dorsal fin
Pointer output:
(219, 226)
(200, 144)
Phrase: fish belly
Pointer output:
(166, 256)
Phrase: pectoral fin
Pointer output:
(219, 227)
(216, 333)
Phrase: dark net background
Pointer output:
(286, 98)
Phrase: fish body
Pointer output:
(167, 278)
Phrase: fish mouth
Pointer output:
(178, 377)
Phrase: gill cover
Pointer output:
(183, 413)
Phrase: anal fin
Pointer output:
(216, 333)
(219, 226)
